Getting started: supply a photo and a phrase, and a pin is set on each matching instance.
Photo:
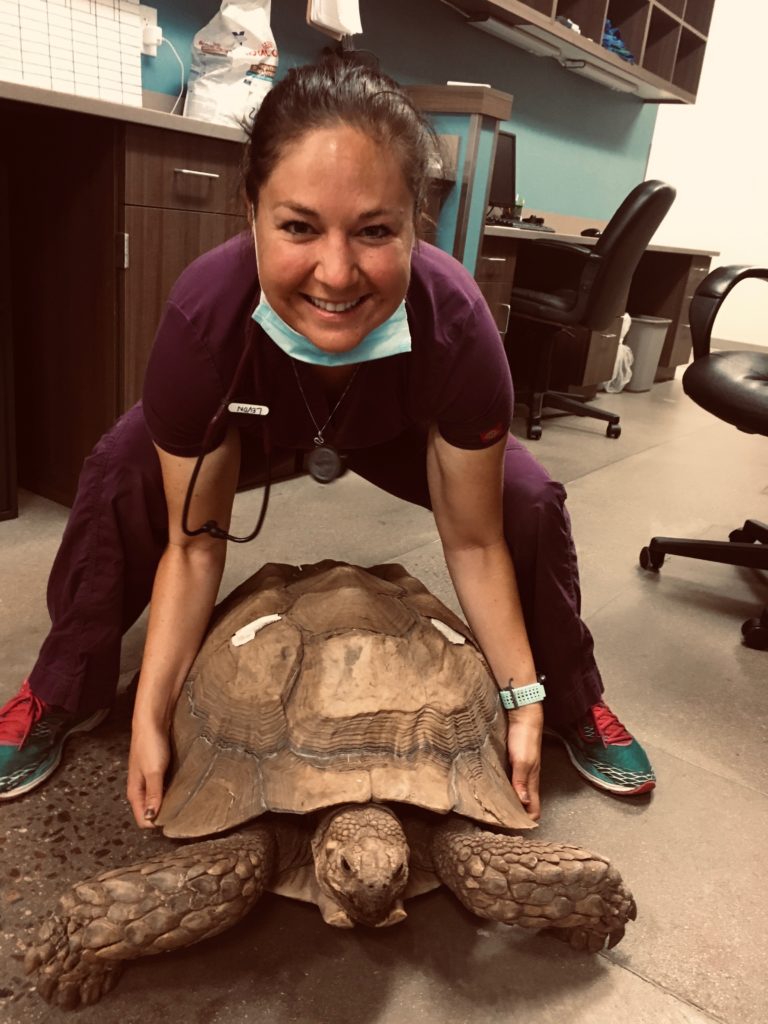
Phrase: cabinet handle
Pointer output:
(494, 259)
(196, 174)
(505, 305)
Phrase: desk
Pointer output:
(663, 285)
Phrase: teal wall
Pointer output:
(580, 146)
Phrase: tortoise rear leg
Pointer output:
(174, 900)
(532, 884)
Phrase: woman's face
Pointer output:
(334, 234)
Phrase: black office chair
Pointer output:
(734, 387)
(591, 289)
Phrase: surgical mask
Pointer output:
(388, 339)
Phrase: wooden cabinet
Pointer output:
(8, 502)
(63, 222)
(663, 285)
(667, 38)
(105, 216)
(494, 275)
(582, 360)
(181, 197)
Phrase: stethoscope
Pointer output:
(229, 406)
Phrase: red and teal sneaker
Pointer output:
(32, 737)
(606, 754)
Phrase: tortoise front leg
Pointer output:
(534, 885)
(175, 900)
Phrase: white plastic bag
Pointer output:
(622, 368)
(234, 61)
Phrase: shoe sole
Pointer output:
(85, 726)
(608, 787)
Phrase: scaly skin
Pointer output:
(361, 861)
(361, 866)
(172, 901)
(534, 885)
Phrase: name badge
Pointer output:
(248, 409)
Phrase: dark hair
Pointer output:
(338, 91)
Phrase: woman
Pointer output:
(362, 341)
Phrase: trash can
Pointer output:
(646, 339)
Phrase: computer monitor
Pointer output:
(503, 177)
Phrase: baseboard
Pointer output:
(724, 345)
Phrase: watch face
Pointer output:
(324, 464)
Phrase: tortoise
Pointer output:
(341, 737)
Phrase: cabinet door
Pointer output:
(176, 171)
(8, 501)
(494, 276)
(161, 243)
(679, 343)
(601, 357)
(63, 219)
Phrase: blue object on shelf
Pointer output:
(613, 42)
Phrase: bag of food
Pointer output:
(234, 62)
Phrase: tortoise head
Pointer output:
(361, 864)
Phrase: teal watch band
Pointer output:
(519, 696)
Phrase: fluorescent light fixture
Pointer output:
(517, 36)
(599, 75)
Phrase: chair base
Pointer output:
(747, 546)
(573, 405)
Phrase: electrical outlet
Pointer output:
(152, 34)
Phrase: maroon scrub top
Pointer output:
(456, 374)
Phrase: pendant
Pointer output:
(324, 464)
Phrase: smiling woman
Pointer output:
(354, 340)
(334, 233)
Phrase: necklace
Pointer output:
(324, 463)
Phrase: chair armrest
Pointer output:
(556, 244)
(709, 297)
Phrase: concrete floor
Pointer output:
(694, 852)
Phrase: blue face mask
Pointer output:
(388, 339)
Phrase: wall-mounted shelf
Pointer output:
(668, 39)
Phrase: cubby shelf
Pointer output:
(666, 38)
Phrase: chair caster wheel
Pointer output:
(650, 561)
(534, 432)
(755, 632)
(613, 430)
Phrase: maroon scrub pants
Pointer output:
(102, 576)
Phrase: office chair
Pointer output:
(734, 387)
(585, 287)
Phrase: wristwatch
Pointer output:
(518, 696)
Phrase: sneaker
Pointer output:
(606, 754)
(32, 735)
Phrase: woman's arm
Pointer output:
(466, 492)
(183, 596)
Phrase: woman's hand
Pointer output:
(147, 763)
(183, 595)
(524, 749)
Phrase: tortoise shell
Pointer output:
(330, 684)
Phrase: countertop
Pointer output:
(522, 233)
(118, 111)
